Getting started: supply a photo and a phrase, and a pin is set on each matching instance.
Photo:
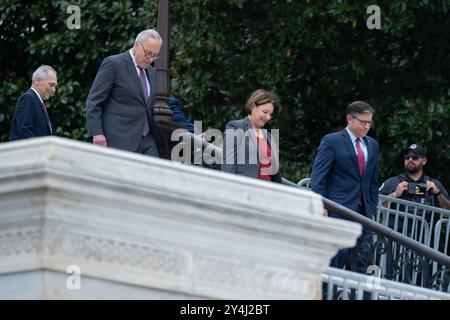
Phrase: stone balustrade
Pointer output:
(83, 222)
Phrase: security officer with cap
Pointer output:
(415, 186)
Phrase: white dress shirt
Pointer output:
(139, 76)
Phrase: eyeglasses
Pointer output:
(407, 157)
(149, 54)
(363, 122)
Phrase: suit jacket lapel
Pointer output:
(49, 124)
(133, 73)
(349, 144)
(370, 155)
(253, 140)
(152, 83)
(248, 128)
(274, 150)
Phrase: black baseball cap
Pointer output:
(417, 149)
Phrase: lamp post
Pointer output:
(163, 113)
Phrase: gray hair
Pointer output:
(42, 72)
(149, 33)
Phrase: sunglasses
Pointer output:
(407, 157)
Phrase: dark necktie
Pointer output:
(143, 80)
(44, 107)
(361, 168)
(360, 157)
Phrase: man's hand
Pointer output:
(402, 186)
(99, 140)
(325, 212)
(431, 186)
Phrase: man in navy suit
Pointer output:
(346, 171)
(31, 117)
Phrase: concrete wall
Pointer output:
(145, 228)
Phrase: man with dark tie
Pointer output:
(119, 107)
(346, 171)
(31, 117)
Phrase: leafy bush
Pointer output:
(317, 56)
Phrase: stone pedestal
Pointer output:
(83, 222)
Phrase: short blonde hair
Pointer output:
(259, 97)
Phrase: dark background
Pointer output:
(317, 56)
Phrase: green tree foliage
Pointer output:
(35, 33)
(317, 56)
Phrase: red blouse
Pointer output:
(265, 153)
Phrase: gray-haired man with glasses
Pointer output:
(119, 107)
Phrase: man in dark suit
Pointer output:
(119, 107)
(346, 171)
(31, 117)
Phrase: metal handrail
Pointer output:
(423, 207)
(364, 221)
(382, 230)
(199, 141)
(421, 222)
(387, 232)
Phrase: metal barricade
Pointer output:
(346, 285)
(305, 182)
(415, 220)
(421, 223)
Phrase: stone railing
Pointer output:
(82, 222)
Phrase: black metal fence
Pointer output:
(397, 256)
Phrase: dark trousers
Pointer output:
(354, 259)
(358, 257)
(148, 146)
